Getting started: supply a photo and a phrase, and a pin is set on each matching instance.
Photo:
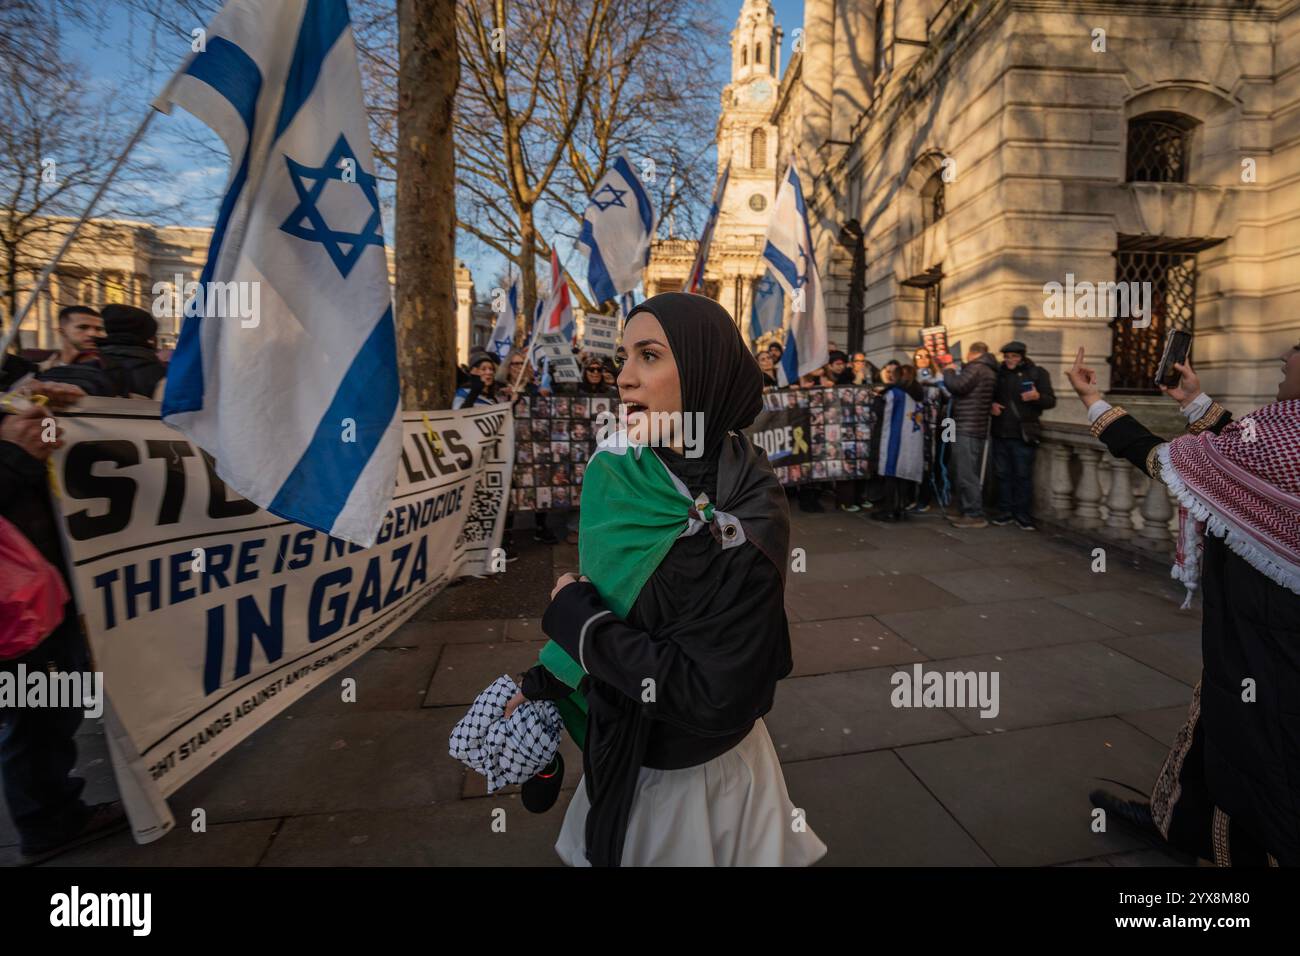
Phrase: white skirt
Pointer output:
(732, 811)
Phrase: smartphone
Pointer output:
(1026, 386)
(1177, 347)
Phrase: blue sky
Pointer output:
(121, 52)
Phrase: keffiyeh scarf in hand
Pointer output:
(1242, 485)
(504, 749)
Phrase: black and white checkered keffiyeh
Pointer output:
(506, 750)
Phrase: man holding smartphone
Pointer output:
(1023, 393)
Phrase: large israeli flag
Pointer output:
(299, 406)
(616, 232)
(789, 252)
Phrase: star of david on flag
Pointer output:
(616, 235)
(307, 220)
(301, 411)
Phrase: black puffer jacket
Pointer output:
(972, 389)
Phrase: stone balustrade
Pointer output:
(1078, 485)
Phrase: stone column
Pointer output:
(1087, 496)
(1120, 499)
(816, 79)
(909, 37)
(1157, 509)
(1062, 489)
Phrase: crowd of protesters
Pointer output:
(113, 353)
(986, 407)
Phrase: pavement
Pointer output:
(1095, 673)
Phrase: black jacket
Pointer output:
(1019, 419)
(1245, 756)
(122, 369)
(972, 389)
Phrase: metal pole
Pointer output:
(44, 278)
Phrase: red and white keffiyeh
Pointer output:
(1242, 485)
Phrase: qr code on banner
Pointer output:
(483, 509)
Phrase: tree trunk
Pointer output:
(425, 229)
(528, 275)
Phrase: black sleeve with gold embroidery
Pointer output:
(1214, 420)
(1126, 437)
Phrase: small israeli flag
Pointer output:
(616, 232)
(789, 252)
(767, 308)
(300, 407)
(503, 336)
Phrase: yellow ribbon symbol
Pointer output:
(434, 440)
(800, 443)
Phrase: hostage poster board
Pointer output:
(816, 434)
(196, 657)
(839, 422)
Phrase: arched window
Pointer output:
(1158, 148)
(744, 56)
(932, 199)
(758, 149)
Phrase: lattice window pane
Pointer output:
(1157, 150)
(1135, 353)
(932, 200)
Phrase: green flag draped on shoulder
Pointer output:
(633, 509)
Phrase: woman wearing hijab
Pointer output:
(1228, 789)
(674, 637)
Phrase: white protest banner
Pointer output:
(558, 351)
(209, 616)
(600, 334)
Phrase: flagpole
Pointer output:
(43, 279)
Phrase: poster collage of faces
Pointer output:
(554, 437)
(840, 419)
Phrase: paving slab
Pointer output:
(223, 844)
(365, 760)
(427, 633)
(920, 560)
(465, 669)
(524, 629)
(1050, 685)
(1163, 723)
(1023, 796)
(846, 644)
(387, 678)
(835, 714)
(987, 585)
(1176, 653)
(870, 810)
(1132, 612)
(822, 565)
(998, 626)
(451, 834)
(873, 595)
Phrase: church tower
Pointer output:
(746, 135)
(748, 139)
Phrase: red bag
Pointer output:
(32, 594)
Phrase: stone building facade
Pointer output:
(121, 261)
(970, 158)
(984, 149)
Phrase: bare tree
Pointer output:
(57, 145)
